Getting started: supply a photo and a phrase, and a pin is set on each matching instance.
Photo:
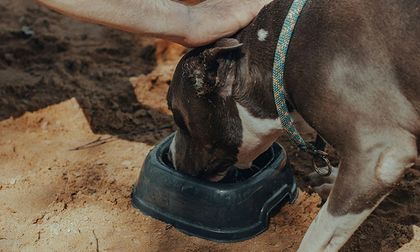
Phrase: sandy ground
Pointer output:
(75, 127)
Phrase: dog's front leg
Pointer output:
(365, 177)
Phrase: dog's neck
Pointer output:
(253, 88)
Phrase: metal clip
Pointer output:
(324, 170)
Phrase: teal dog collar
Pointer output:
(280, 91)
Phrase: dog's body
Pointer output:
(352, 72)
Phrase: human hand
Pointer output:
(190, 26)
(214, 19)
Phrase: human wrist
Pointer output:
(177, 22)
(198, 30)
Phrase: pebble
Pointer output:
(13, 181)
(99, 162)
(9, 57)
(126, 163)
(44, 126)
(140, 113)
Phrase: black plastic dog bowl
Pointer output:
(232, 210)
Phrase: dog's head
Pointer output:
(213, 132)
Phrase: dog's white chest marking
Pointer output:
(173, 151)
(257, 136)
(262, 35)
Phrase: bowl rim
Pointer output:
(276, 162)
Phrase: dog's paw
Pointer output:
(322, 184)
(315, 180)
(323, 191)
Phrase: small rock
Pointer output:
(13, 181)
(44, 125)
(9, 57)
(99, 162)
(27, 31)
(140, 113)
(126, 163)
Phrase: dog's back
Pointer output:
(397, 22)
(364, 55)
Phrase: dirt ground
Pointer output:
(76, 125)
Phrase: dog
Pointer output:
(352, 72)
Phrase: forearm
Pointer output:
(190, 26)
(157, 18)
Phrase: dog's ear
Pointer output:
(221, 47)
(217, 75)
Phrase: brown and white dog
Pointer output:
(352, 72)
